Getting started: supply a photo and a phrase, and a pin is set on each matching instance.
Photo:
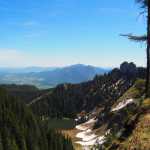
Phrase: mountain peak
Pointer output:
(128, 68)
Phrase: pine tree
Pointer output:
(145, 5)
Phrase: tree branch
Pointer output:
(135, 38)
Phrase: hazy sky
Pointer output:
(64, 32)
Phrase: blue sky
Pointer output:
(64, 32)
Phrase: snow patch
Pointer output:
(94, 139)
(122, 105)
(88, 138)
(93, 120)
(82, 128)
(89, 143)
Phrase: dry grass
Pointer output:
(140, 139)
(133, 92)
(72, 134)
(146, 103)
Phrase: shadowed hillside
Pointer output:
(21, 130)
(103, 90)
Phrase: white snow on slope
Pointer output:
(91, 140)
(88, 138)
(90, 121)
(84, 126)
(122, 104)
(88, 143)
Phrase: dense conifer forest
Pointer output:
(21, 130)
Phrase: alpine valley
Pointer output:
(108, 112)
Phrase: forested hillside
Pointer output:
(67, 100)
(21, 130)
(127, 120)
(24, 92)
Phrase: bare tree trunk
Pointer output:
(148, 53)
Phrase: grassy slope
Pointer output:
(134, 92)
(140, 137)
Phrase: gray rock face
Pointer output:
(128, 68)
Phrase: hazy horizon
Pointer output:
(67, 65)
(63, 66)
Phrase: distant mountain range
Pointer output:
(50, 76)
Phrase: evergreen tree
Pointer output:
(21, 130)
(145, 4)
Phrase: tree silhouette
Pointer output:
(145, 5)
